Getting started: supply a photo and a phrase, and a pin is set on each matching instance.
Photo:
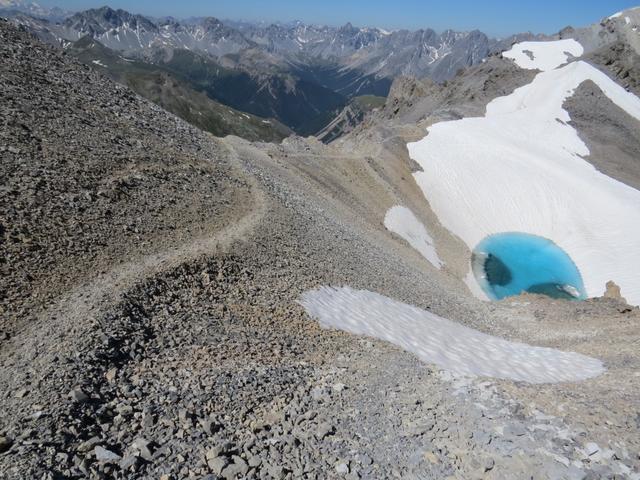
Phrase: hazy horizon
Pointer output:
(494, 17)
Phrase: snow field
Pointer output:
(546, 55)
(519, 169)
(436, 340)
(401, 221)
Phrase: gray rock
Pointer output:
(515, 430)
(323, 430)
(89, 444)
(106, 456)
(238, 468)
(591, 448)
(78, 396)
(21, 393)
(489, 464)
(217, 464)
(129, 461)
(5, 444)
(143, 447)
(276, 471)
(342, 468)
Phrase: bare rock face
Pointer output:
(621, 61)
(404, 93)
(613, 291)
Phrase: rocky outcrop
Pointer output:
(622, 62)
(613, 291)
(350, 117)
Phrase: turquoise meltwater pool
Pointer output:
(507, 264)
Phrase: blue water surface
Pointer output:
(507, 264)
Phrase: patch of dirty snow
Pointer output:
(447, 344)
(402, 221)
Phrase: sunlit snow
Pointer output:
(449, 345)
(544, 56)
(518, 169)
(403, 222)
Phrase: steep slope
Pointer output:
(622, 61)
(350, 117)
(176, 94)
(613, 44)
(611, 134)
(84, 174)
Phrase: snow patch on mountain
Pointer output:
(447, 344)
(519, 169)
(544, 56)
(403, 222)
(619, 14)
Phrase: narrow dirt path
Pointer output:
(89, 300)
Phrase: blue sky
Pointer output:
(496, 17)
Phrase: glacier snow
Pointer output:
(519, 169)
(544, 56)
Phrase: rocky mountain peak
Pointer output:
(348, 28)
(98, 21)
(212, 23)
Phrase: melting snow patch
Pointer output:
(449, 345)
(402, 221)
(98, 62)
(518, 169)
(544, 56)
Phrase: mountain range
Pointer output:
(370, 51)
(300, 75)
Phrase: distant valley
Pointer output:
(292, 78)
